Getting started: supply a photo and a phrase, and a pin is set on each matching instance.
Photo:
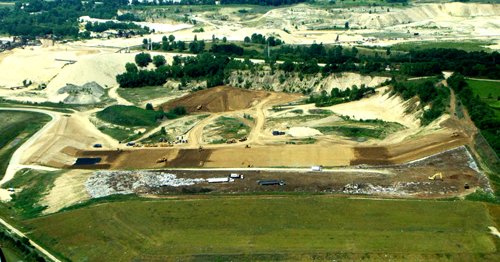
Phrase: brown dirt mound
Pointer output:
(217, 99)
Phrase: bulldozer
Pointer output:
(437, 176)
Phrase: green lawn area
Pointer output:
(15, 128)
(34, 185)
(138, 96)
(293, 227)
(129, 116)
(488, 91)
(466, 45)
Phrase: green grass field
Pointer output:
(488, 91)
(270, 228)
(466, 45)
(15, 128)
(138, 96)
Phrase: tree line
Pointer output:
(206, 66)
(59, 17)
(481, 113)
(338, 96)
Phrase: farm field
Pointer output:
(293, 227)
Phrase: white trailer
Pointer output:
(220, 180)
(316, 168)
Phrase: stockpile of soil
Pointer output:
(89, 93)
(217, 99)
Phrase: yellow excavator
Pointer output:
(437, 176)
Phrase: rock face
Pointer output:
(295, 83)
(89, 93)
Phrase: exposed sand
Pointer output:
(69, 189)
(303, 132)
(378, 106)
(73, 131)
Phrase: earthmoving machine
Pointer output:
(437, 176)
(162, 160)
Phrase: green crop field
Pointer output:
(293, 227)
(15, 128)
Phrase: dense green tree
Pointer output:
(159, 60)
(143, 59)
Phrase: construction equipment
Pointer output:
(437, 176)
(162, 160)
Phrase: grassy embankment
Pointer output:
(122, 121)
(15, 128)
(267, 228)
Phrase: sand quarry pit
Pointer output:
(338, 154)
(218, 99)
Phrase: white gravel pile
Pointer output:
(105, 183)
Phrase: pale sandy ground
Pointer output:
(74, 131)
(494, 231)
(303, 132)
(379, 106)
(69, 188)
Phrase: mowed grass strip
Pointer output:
(488, 91)
(293, 225)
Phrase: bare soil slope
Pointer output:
(218, 99)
